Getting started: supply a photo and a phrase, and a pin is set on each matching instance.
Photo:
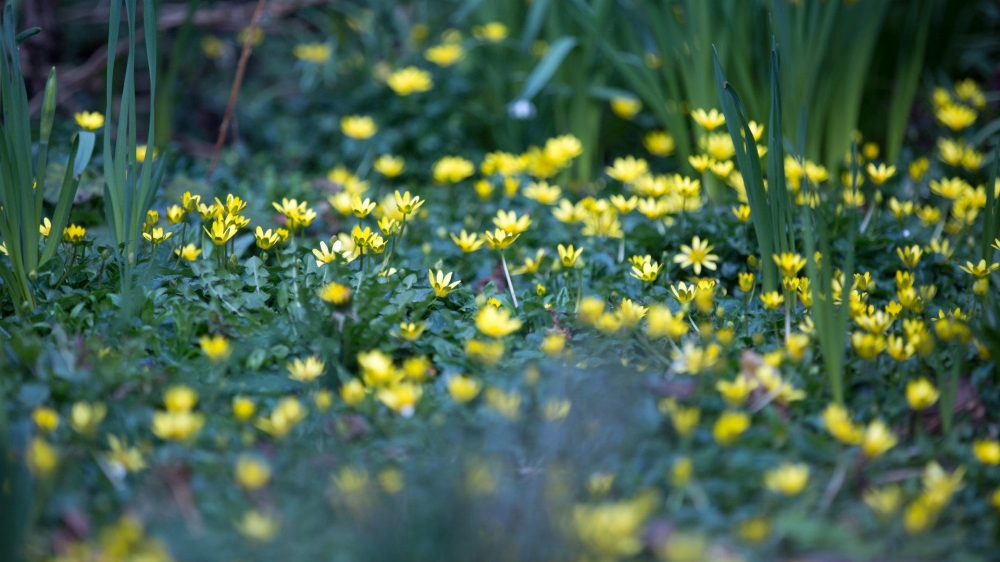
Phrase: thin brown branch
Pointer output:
(235, 92)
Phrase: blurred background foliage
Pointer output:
(849, 65)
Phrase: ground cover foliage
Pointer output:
(504, 281)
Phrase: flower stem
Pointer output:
(579, 288)
(506, 272)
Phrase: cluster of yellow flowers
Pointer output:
(178, 422)
(399, 388)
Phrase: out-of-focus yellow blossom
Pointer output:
(410, 80)
(710, 120)
(659, 143)
(788, 479)
(444, 55)
(921, 394)
(493, 32)
(729, 427)
(317, 53)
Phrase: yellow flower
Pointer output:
(627, 170)
(918, 168)
(89, 120)
(323, 254)
(710, 120)
(883, 502)
(681, 471)
(283, 418)
(788, 479)
(499, 239)
(216, 347)
(391, 480)
(140, 153)
(735, 393)
(41, 457)
(496, 323)
(318, 53)
(175, 214)
(265, 240)
(507, 404)
(660, 322)
(252, 473)
(838, 422)
(463, 389)
(868, 346)
(45, 419)
(401, 398)
(772, 300)
(881, 173)
(444, 55)
(189, 252)
(956, 117)
(729, 427)
(410, 331)
(980, 270)
(335, 293)
(258, 526)
(388, 165)
(612, 530)
(488, 353)
(659, 143)
(358, 127)
(569, 256)
(353, 392)
(362, 208)
(243, 408)
(74, 234)
(180, 398)
(626, 108)
(753, 530)
(510, 223)
(697, 256)
(177, 426)
(409, 80)
(746, 281)
(685, 420)
(305, 371)
(124, 458)
(553, 344)
(466, 242)
(789, 263)
(220, 233)
(878, 439)
(543, 192)
(683, 292)
(494, 32)
(909, 255)
(921, 394)
(156, 236)
(987, 451)
(442, 283)
(452, 169)
(629, 313)
(84, 417)
(646, 270)
(720, 147)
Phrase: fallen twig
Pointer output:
(235, 92)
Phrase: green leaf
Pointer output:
(547, 67)
(84, 152)
(537, 14)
